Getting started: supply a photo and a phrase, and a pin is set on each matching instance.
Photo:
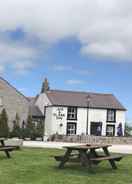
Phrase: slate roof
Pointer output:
(79, 99)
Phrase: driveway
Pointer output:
(59, 145)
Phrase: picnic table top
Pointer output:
(87, 146)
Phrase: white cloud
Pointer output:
(83, 71)
(103, 27)
(2, 69)
(75, 82)
(19, 57)
(109, 49)
(61, 68)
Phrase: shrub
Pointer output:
(30, 128)
(4, 129)
(16, 132)
(128, 130)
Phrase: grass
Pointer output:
(37, 166)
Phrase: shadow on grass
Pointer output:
(100, 169)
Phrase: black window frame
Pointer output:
(113, 131)
(114, 119)
(75, 118)
(73, 123)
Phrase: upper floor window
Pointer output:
(72, 113)
(111, 115)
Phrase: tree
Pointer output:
(128, 130)
(40, 129)
(4, 129)
(45, 86)
(29, 122)
(16, 132)
(30, 127)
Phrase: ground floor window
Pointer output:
(71, 128)
(96, 128)
(37, 122)
(110, 130)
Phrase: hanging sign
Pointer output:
(59, 113)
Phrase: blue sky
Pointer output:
(87, 49)
(66, 68)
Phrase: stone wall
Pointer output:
(94, 139)
(13, 101)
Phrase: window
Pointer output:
(111, 115)
(71, 128)
(72, 113)
(110, 130)
(96, 128)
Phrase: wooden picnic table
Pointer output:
(6, 149)
(87, 155)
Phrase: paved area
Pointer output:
(39, 144)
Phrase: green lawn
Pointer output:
(36, 166)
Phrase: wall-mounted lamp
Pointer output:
(61, 124)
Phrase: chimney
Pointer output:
(45, 86)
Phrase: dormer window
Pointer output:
(111, 115)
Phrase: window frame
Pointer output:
(72, 123)
(71, 113)
(114, 118)
(113, 130)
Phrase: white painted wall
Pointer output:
(98, 115)
(53, 121)
(48, 121)
(59, 120)
(120, 118)
(42, 101)
(81, 120)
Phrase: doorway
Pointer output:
(96, 128)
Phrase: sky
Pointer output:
(79, 45)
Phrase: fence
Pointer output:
(93, 139)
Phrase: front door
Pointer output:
(96, 128)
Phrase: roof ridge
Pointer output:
(85, 92)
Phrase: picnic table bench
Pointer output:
(87, 155)
(6, 149)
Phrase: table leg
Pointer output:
(2, 143)
(93, 153)
(85, 160)
(112, 162)
(7, 154)
(65, 158)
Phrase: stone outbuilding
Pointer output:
(13, 101)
